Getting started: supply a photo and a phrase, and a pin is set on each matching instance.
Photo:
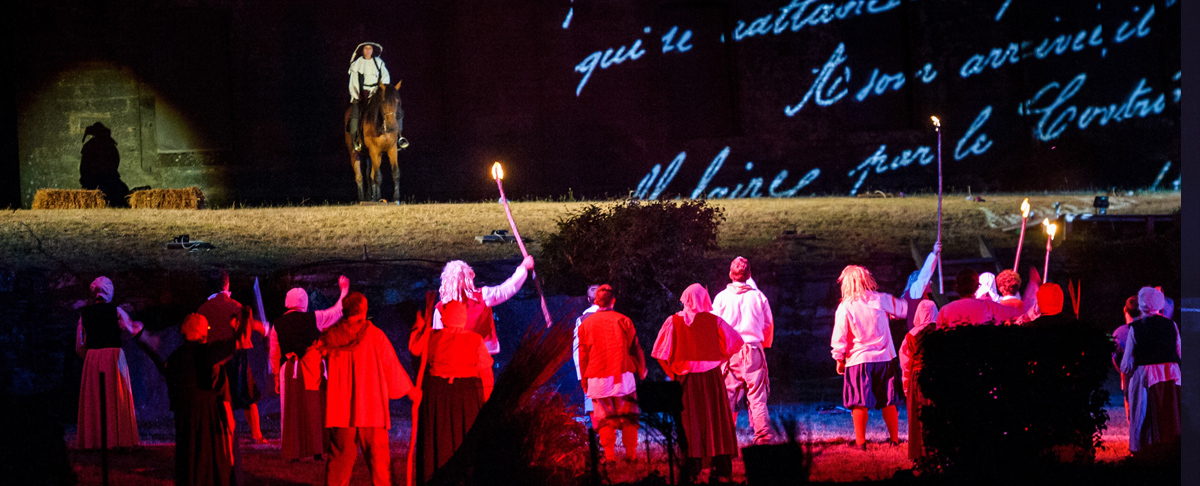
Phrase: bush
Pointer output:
(648, 250)
(1002, 396)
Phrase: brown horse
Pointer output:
(382, 127)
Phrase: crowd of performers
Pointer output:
(335, 371)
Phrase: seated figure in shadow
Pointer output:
(98, 166)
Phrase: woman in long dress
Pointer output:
(1151, 360)
(98, 338)
(691, 346)
(458, 379)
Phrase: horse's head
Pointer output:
(390, 109)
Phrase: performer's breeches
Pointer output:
(355, 115)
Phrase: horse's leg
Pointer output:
(376, 155)
(395, 171)
(356, 163)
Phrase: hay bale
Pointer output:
(69, 199)
(185, 198)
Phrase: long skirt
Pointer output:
(242, 387)
(119, 412)
(303, 420)
(872, 385)
(447, 411)
(707, 419)
(203, 441)
(1154, 412)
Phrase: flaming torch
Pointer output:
(1021, 240)
(937, 127)
(498, 176)
(1050, 228)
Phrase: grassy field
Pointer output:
(256, 239)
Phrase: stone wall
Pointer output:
(54, 118)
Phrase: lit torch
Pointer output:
(1050, 228)
(1021, 240)
(498, 176)
(937, 127)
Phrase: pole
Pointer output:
(426, 322)
(498, 175)
(937, 126)
(103, 431)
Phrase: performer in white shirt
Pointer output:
(367, 71)
(745, 308)
(591, 296)
(458, 283)
(865, 355)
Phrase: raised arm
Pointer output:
(330, 316)
(917, 290)
(494, 296)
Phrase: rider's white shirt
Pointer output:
(371, 75)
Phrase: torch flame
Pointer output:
(936, 122)
(1025, 208)
(497, 171)
(1050, 228)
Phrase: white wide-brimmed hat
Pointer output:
(358, 50)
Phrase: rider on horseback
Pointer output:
(367, 71)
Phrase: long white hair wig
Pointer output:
(458, 281)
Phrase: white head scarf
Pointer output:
(695, 300)
(1151, 300)
(987, 287)
(296, 299)
(102, 288)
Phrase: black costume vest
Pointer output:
(100, 322)
(1155, 341)
(296, 331)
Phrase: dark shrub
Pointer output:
(1006, 396)
(648, 250)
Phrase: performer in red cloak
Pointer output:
(364, 374)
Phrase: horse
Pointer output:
(382, 126)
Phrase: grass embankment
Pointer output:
(258, 239)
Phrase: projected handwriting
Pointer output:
(675, 40)
(833, 79)
(654, 183)
(1056, 114)
(799, 14)
(1057, 45)
(972, 142)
